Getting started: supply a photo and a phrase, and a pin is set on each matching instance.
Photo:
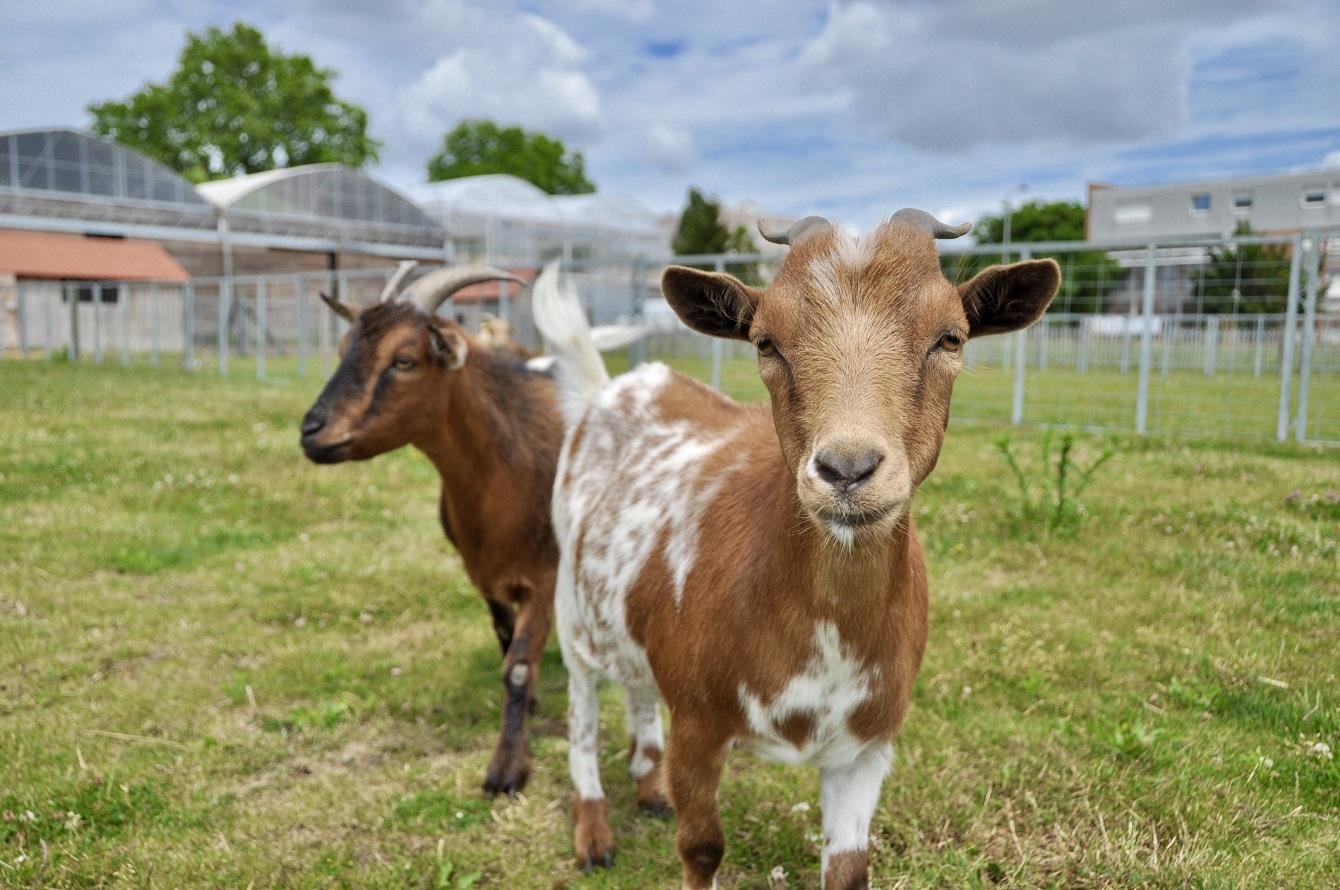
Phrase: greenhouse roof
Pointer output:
(510, 197)
(64, 162)
(331, 192)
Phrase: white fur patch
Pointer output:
(828, 689)
(849, 794)
(642, 718)
(633, 478)
(849, 254)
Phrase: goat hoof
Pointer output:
(508, 777)
(592, 838)
(656, 807)
(605, 861)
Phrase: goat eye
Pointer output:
(765, 347)
(949, 342)
(403, 364)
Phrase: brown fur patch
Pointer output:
(592, 838)
(848, 871)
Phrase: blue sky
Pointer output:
(849, 109)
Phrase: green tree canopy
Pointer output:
(1086, 276)
(702, 231)
(476, 147)
(1247, 278)
(235, 105)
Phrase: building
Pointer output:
(321, 216)
(1281, 204)
(85, 219)
(503, 219)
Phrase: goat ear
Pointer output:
(1008, 298)
(448, 346)
(343, 310)
(711, 303)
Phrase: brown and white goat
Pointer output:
(757, 568)
(491, 427)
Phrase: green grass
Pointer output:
(221, 666)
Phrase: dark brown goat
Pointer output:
(491, 427)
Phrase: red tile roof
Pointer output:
(51, 255)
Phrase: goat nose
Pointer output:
(846, 470)
(312, 424)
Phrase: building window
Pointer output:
(1314, 196)
(86, 293)
(1200, 204)
(1242, 202)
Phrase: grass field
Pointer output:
(221, 666)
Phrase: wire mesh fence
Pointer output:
(1230, 339)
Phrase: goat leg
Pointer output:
(510, 767)
(696, 757)
(504, 623)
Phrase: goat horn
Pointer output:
(799, 230)
(930, 225)
(433, 289)
(397, 278)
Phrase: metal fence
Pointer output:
(1194, 338)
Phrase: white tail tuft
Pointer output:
(562, 322)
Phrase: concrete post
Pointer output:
(1290, 323)
(1309, 336)
(1146, 344)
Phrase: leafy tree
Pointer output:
(702, 231)
(1247, 278)
(235, 105)
(476, 147)
(1085, 275)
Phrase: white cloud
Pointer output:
(669, 148)
(851, 109)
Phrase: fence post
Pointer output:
(47, 339)
(637, 351)
(323, 323)
(1290, 321)
(123, 310)
(154, 299)
(1044, 334)
(188, 326)
(1211, 344)
(72, 300)
(225, 312)
(1260, 335)
(1020, 360)
(97, 323)
(1085, 331)
(21, 313)
(1166, 334)
(1146, 344)
(716, 341)
(261, 325)
(300, 294)
(1309, 332)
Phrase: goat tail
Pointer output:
(562, 322)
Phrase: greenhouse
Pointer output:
(504, 219)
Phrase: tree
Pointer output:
(235, 105)
(702, 231)
(1247, 278)
(476, 147)
(1085, 275)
